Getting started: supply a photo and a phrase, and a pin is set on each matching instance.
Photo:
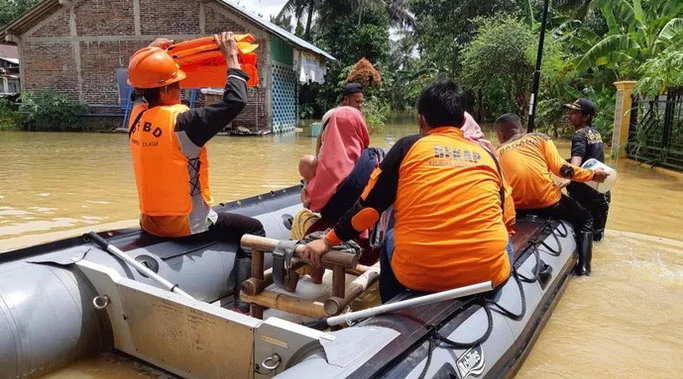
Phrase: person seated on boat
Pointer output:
(307, 166)
(472, 131)
(447, 195)
(344, 166)
(528, 160)
(167, 141)
(586, 144)
(352, 96)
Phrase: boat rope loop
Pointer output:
(551, 251)
(505, 312)
(435, 339)
(537, 268)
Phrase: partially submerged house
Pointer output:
(9, 70)
(82, 47)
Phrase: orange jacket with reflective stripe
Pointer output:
(446, 193)
(528, 162)
(169, 171)
(450, 229)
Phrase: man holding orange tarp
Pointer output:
(167, 141)
(527, 161)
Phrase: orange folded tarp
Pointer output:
(202, 61)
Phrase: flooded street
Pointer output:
(624, 321)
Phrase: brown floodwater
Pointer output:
(626, 320)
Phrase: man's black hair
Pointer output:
(153, 95)
(442, 104)
(352, 88)
(509, 118)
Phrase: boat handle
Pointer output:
(271, 362)
(100, 302)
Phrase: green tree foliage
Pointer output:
(51, 111)
(500, 62)
(348, 37)
(661, 73)
(12, 9)
(315, 13)
(10, 118)
(637, 31)
(444, 27)
(285, 22)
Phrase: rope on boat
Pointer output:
(435, 339)
(551, 251)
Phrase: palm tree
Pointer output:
(298, 8)
(327, 9)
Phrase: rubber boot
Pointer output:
(598, 235)
(585, 242)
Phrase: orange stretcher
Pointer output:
(202, 61)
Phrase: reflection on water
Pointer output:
(622, 321)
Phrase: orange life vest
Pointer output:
(203, 62)
(169, 169)
(449, 218)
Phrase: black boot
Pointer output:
(598, 235)
(585, 246)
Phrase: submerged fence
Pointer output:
(656, 132)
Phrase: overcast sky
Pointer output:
(265, 7)
(273, 7)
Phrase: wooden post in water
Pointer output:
(622, 119)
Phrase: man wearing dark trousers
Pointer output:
(586, 144)
(170, 159)
(527, 161)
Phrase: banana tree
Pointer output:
(637, 31)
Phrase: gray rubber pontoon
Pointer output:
(50, 315)
(481, 336)
(46, 315)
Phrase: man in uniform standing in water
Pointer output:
(586, 144)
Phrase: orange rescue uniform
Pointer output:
(528, 162)
(447, 195)
(171, 173)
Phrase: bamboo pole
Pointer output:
(329, 260)
(338, 281)
(256, 274)
(335, 304)
(358, 270)
(253, 286)
(287, 303)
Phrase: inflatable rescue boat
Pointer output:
(71, 299)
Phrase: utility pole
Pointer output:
(537, 73)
